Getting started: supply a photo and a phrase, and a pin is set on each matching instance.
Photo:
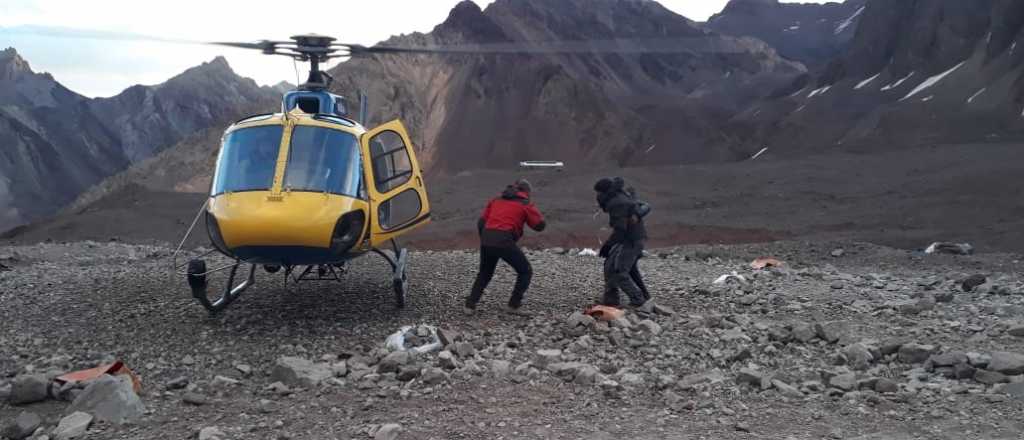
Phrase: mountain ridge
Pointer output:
(59, 143)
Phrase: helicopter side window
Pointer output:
(391, 164)
(323, 160)
(247, 160)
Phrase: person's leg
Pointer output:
(611, 289)
(488, 262)
(634, 274)
(625, 260)
(524, 274)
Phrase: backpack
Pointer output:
(640, 207)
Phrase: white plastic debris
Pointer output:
(950, 248)
(396, 342)
(588, 252)
(733, 277)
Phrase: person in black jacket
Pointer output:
(625, 246)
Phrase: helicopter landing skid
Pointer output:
(197, 281)
(400, 278)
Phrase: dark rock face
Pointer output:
(916, 73)
(494, 111)
(813, 34)
(58, 143)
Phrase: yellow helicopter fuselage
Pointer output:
(299, 189)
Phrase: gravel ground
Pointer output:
(705, 372)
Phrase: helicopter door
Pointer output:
(398, 198)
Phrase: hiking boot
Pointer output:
(647, 307)
(517, 311)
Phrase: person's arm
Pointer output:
(534, 219)
(482, 221)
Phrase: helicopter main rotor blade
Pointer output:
(73, 33)
(669, 46)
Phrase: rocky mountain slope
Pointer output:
(493, 111)
(916, 73)
(811, 33)
(58, 143)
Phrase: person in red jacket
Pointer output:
(500, 227)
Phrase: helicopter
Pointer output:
(305, 190)
(309, 188)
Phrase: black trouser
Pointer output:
(489, 257)
(621, 273)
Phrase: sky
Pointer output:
(97, 68)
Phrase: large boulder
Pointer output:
(73, 426)
(110, 399)
(915, 353)
(29, 389)
(22, 426)
(1007, 363)
(299, 372)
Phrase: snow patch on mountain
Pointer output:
(933, 81)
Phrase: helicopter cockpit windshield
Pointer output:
(323, 160)
(247, 160)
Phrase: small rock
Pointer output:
(72, 426)
(279, 388)
(650, 327)
(177, 383)
(389, 431)
(446, 360)
(915, 353)
(787, 390)
(753, 377)
(448, 336)
(465, 350)
(547, 357)
(742, 427)
(408, 372)
(964, 371)
(1017, 331)
(224, 381)
(23, 426)
(830, 332)
(299, 372)
(884, 385)
(845, 382)
(1007, 363)
(949, 359)
(990, 377)
(858, 356)
(945, 297)
(838, 285)
(433, 376)
(836, 253)
(891, 347)
(244, 369)
(747, 300)
(110, 399)
(211, 433)
(579, 319)
(194, 398)
(973, 281)
(393, 361)
(501, 368)
(804, 332)
(1014, 390)
(29, 389)
(663, 310)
